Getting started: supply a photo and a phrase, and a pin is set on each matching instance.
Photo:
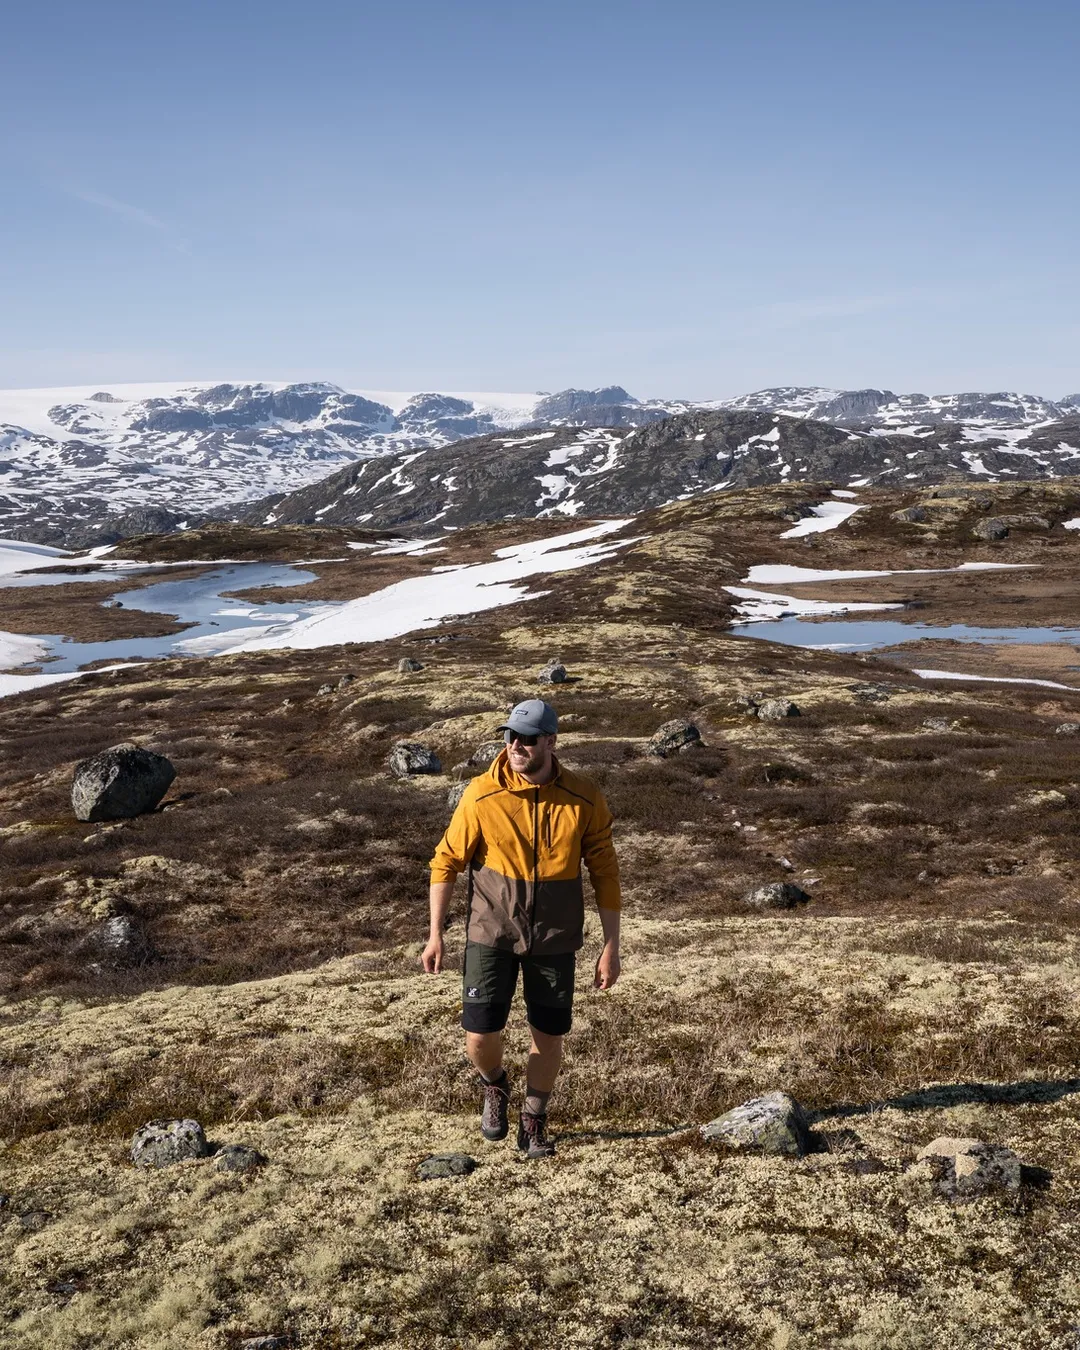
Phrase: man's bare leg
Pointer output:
(485, 1051)
(545, 1058)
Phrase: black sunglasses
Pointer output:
(511, 736)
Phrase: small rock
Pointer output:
(122, 941)
(961, 1169)
(408, 665)
(445, 1165)
(457, 791)
(1067, 729)
(991, 530)
(485, 755)
(1049, 797)
(345, 681)
(936, 724)
(776, 709)
(749, 703)
(864, 1167)
(872, 693)
(324, 689)
(123, 781)
(238, 1158)
(909, 515)
(160, 1143)
(776, 895)
(5, 1200)
(34, 1220)
(774, 1123)
(672, 737)
(410, 757)
(553, 673)
(266, 1343)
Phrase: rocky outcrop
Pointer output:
(774, 1123)
(124, 781)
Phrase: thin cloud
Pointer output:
(135, 214)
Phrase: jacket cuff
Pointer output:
(442, 874)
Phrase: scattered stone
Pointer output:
(266, 1343)
(457, 791)
(910, 515)
(408, 665)
(122, 941)
(34, 1220)
(485, 755)
(124, 781)
(410, 757)
(776, 709)
(345, 681)
(5, 1200)
(445, 1165)
(961, 1169)
(774, 1123)
(864, 1167)
(323, 690)
(160, 1143)
(1067, 729)
(672, 737)
(749, 703)
(238, 1158)
(872, 693)
(776, 895)
(783, 773)
(553, 673)
(936, 724)
(1049, 797)
(992, 530)
(1003, 867)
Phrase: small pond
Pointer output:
(862, 635)
(198, 601)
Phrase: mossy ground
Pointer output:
(929, 988)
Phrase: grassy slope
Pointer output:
(930, 988)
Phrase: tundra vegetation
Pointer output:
(929, 988)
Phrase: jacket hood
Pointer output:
(503, 775)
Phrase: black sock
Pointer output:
(535, 1102)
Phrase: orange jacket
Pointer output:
(523, 846)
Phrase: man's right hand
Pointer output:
(432, 956)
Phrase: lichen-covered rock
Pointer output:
(124, 781)
(776, 709)
(991, 530)
(774, 1123)
(457, 791)
(553, 673)
(872, 692)
(962, 1169)
(672, 737)
(238, 1158)
(267, 1343)
(408, 665)
(776, 895)
(1067, 729)
(445, 1165)
(121, 941)
(160, 1143)
(410, 757)
(909, 515)
(484, 755)
(323, 690)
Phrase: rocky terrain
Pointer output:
(84, 467)
(244, 955)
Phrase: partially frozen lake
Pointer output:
(863, 635)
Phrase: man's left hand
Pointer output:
(608, 968)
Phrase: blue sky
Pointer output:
(692, 199)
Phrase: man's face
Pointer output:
(530, 758)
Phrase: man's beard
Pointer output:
(535, 760)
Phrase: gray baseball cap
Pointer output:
(534, 717)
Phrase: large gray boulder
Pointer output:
(672, 737)
(553, 673)
(160, 1143)
(124, 781)
(776, 895)
(410, 757)
(485, 755)
(774, 1123)
(776, 709)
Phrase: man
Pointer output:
(522, 831)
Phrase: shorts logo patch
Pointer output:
(472, 991)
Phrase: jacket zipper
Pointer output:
(536, 860)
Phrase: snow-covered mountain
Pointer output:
(88, 465)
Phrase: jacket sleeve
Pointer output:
(598, 854)
(458, 844)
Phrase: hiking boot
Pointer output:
(494, 1123)
(532, 1136)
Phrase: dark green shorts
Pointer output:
(490, 980)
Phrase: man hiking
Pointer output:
(522, 830)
